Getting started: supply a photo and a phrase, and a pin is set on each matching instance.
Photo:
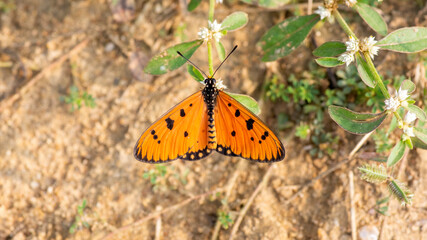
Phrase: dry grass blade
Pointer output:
(10, 100)
(330, 170)
(242, 213)
(158, 213)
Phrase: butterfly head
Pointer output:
(210, 82)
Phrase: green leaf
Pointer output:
(418, 143)
(358, 123)
(408, 85)
(421, 134)
(246, 101)
(400, 191)
(418, 111)
(286, 36)
(330, 49)
(193, 5)
(195, 73)
(405, 40)
(373, 173)
(169, 59)
(328, 62)
(234, 21)
(396, 154)
(220, 50)
(268, 3)
(364, 71)
(371, 17)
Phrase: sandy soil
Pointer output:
(51, 159)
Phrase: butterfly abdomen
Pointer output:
(210, 93)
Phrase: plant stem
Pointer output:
(209, 43)
(379, 82)
(211, 10)
(343, 24)
(377, 77)
(210, 58)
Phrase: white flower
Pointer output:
(212, 32)
(367, 45)
(214, 26)
(219, 1)
(410, 117)
(352, 44)
(203, 34)
(392, 104)
(350, 3)
(347, 58)
(409, 131)
(220, 85)
(402, 95)
(323, 12)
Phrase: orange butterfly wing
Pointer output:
(180, 133)
(241, 133)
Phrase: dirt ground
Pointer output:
(52, 159)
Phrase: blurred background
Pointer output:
(74, 99)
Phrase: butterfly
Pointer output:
(209, 120)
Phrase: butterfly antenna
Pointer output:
(188, 60)
(224, 60)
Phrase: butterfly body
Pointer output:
(209, 120)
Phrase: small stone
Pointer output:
(369, 233)
(34, 185)
(109, 47)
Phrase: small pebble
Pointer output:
(369, 233)
(109, 47)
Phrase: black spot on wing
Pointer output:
(266, 133)
(229, 104)
(233, 133)
(185, 134)
(153, 132)
(263, 137)
(169, 123)
(182, 113)
(237, 113)
(252, 138)
(155, 137)
(250, 124)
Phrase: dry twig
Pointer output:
(330, 170)
(241, 166)
(158, 213)
(242, 212)
(11, 99)
(352, 206)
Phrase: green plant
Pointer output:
(76, 99)
(80, 219)
(225, 219)
(158, 176)
(309, 100)
(381, 139)
(286, 36)
(7, 6)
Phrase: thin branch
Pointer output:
(330, 170)
(158, 213)
(352, 207)
(240, 167)
(59, 61)
(242, 213)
